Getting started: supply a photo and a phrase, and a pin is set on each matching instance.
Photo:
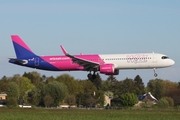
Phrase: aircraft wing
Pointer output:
(82, 62)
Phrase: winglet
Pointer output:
(64, 51)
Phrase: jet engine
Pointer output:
(108, 69)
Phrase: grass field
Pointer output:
(76, 114)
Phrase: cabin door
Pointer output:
(36, 62)
(154, 58)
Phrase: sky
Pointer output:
(103, 27)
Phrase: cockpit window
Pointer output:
(164, 57)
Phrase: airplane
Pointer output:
(108, 64)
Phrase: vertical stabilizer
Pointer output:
(21, 49)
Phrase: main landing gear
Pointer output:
(92, 76)
(155, 74)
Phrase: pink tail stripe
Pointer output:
(18, 40)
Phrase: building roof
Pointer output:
(3, 94)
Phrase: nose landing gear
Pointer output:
(155, 74)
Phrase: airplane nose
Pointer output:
(171, 62)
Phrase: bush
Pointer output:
(163, 103)
(177, 108)
(128, 99)
(12, 102)
(170, 101)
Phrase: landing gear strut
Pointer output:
(112, 78)
(94, 76)
(155, 74)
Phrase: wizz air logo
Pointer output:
(138, 58)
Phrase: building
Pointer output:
(148, 99)
(3, 96)
(107, 100)
(3, 99)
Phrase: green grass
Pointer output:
(76, 114)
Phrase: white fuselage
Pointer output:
(137, 61)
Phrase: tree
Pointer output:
(123, 86)
(111, 78)
(58, 91)
(70, 82)
(128, 85)
(128, 99)
(50, 79)
(175, 95)
(156, 88)
(168, 85)
(80, 99)
(106, 85)
(87, 89)
(12, 92)
(116, 88)
(139, 90)
(99, 96)
(70, 100)
(90, 101)
(159, 87)
(33, 96)
(15, 77)
(34, 76)
(37, 94)
(3, 84)
(48, 100)
(25, 86)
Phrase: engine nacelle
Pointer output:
(108, 69)
(116, 72)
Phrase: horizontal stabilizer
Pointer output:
(14, 60)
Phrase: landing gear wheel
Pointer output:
(89, 76)
(155, 74)
(93, 76)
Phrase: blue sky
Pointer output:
(102, 26)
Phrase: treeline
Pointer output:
(38, 90)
